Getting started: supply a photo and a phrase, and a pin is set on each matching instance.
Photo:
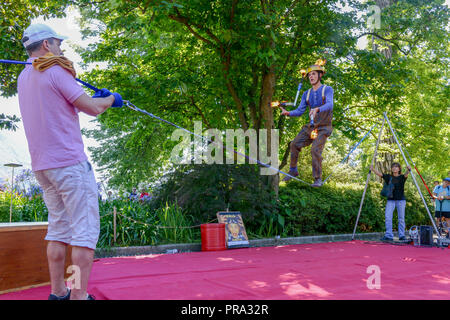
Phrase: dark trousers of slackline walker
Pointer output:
(303, 139)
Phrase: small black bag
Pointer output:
(388, 189)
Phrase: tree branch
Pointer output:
(185, 21)
(225, 58)
(385, 39)
(287, 13)
(359, 106)
(200, 111)
(238, 102)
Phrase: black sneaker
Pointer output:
(386, 239)
(55, 297)
(402, 238)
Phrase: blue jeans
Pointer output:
(390, 206)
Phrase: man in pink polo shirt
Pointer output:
(49, 104)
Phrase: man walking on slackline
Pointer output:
(49, 100)
(319, 99)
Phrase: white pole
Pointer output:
(298, 91)
(114, 224)
(12, 195)
(12, 165)
(412, 175)
(368, 178)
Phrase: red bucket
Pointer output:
(213, 236)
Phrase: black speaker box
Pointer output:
(426, 235)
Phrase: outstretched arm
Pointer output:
(297, 112)
(407, 172)
(93, 106)
(376, 172)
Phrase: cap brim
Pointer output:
(60, 37)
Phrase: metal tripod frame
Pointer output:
(386, 119)
(412, 175)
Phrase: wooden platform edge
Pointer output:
(6, 227)
(25, 288)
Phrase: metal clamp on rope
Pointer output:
(128, 104)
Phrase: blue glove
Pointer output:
(102, 93)
(118, 102)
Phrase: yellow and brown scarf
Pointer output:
(49, 60)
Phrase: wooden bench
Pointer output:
(23, 256)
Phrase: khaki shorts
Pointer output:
(71, 197)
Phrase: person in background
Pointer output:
(144, 195)
(397, 200)
(133, 194)
(111, 196)
(436, 184)
(442, 208)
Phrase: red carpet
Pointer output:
(310, 271)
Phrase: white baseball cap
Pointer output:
(37, 32)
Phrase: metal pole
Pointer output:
(12, 165)
(114, 224)
(298, 92)
(368, 178)
(12, 195)
(412, 175)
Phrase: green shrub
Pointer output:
(332, 209)
(139, 224)
(176, 226)
(135, 225)
(203, 190)
(23, 209)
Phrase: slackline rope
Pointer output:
(133, 107)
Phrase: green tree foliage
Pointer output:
(8, 122)
(15, 17)
(407, 77)
(218, 62)
(222, 62)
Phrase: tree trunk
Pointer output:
(267, 90)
